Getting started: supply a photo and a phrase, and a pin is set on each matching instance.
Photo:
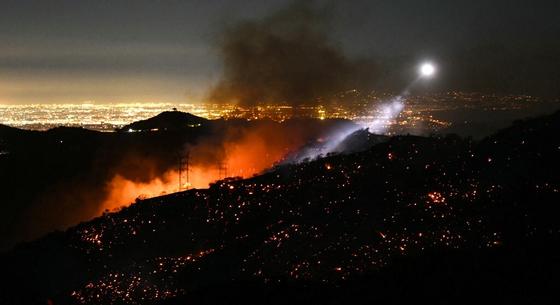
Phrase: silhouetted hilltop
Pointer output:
(5, 127)
(168, 120)
(360, 140)
(436, 219)
(11, 131)
(53, 179)
(537, 129)
(56, 178)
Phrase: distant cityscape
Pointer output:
(420, 111)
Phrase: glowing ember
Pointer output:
(436, 197)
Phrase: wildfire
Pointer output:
(124, 191)
(246, 154)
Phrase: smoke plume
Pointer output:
(285, 58)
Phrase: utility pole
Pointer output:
(222, 169)
(180, 172)
(222, 166)
(188, 157)
(184, 162)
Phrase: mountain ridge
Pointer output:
(325, 222)
(167, 120)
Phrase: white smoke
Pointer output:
(385, 115)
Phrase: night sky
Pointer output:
(169, 51)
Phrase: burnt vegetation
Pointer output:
(439, 219)
(54, 179)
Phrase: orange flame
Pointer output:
(124, 191)
(245, 156)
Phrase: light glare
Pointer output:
(427, 70)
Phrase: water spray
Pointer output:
(386, 112)
(390, 110)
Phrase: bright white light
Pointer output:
(386, 114)
(427, 70)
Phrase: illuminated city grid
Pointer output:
(349, 105)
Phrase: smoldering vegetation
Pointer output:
(51, 180)
(286, 57)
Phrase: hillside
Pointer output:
(168, 120)
(51, 180)
(394, 223)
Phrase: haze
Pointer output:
(168, 51)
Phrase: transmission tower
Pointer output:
(222, 169)
(184, 162)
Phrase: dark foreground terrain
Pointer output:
(55, 179)
(439, 220)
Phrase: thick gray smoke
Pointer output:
(286, 57)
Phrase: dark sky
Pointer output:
(168, 51)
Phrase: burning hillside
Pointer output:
(356, 228)
(77, 174)
(230, 149)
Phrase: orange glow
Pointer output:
(247, 153)
(252, 154)
(436, 197)
(123, 192)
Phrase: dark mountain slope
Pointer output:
(425, 219)
(54, 179)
